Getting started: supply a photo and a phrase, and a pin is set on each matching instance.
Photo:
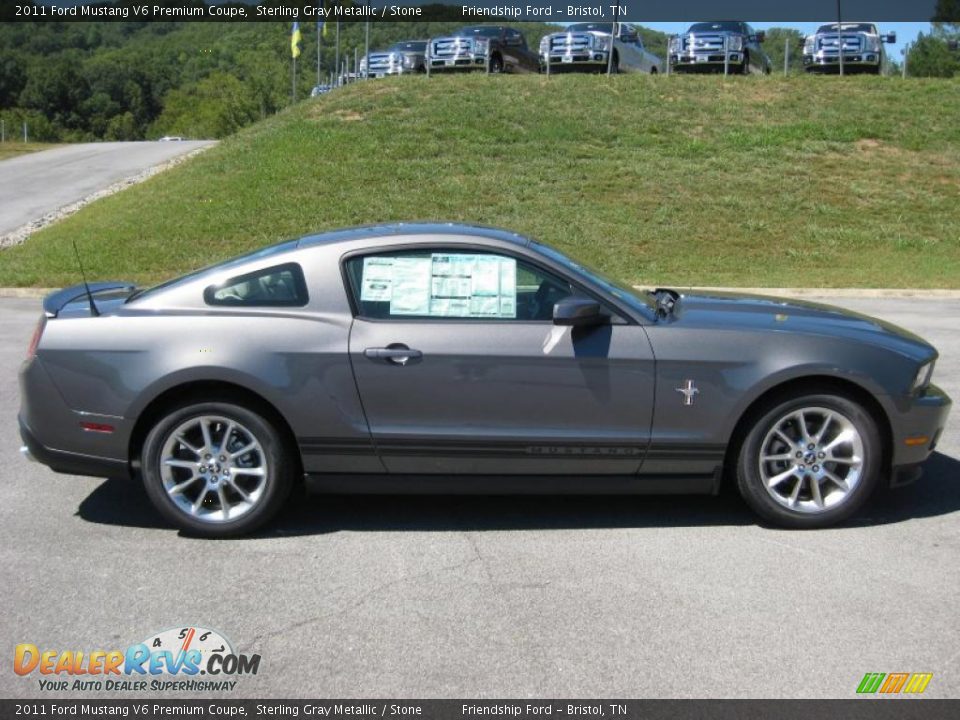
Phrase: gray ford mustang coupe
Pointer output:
(448, 358)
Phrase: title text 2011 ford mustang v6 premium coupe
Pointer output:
(449, 358)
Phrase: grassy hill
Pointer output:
(682, 180)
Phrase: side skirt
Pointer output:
(513, 484)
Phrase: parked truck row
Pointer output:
(730, 46)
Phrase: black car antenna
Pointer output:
(93, 305)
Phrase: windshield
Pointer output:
(412, 46)
(850, 27)
(590, 27)
(481, 31)
(733, 27)
(617, 289)
(262, 252)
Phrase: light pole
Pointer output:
(840, 37)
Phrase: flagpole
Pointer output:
(366, 50)
(319, 43)
(293, 89)
(337, 63)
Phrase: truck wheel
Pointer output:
(216, 469)
(810, 461)
(745, 68)
(496, 64)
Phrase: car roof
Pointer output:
(364, 232)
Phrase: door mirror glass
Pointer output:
(890, 38)
(578, 312)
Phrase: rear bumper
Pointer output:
(69, 463)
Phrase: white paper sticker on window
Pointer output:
(443, 285)
(377, 282)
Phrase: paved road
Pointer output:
(34, 185)
(415, 597)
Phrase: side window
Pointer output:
(277, 286)
(454, 283)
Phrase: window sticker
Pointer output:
(377, 279)
(443, 285)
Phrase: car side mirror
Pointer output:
(761, 36)
(578, 312)
(890, 38)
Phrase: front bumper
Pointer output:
(582, 58)
(465, 61)
(917, 428)
(831, 61)
(681, 61)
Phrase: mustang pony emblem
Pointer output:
(689, 390)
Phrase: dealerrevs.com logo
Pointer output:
(188, 659)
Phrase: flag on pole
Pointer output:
(296, 41)
(322, 28)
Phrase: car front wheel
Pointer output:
(810, 461)
(216, 469)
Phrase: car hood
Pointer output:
(775, 314)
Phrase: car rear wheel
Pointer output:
(216, 469)
(496, 64)
(810, 461)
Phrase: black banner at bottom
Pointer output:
(854, 709)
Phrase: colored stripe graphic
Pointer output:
(871, 682)
(894, 683)
(918, 682)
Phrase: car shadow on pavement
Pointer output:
(124, 502)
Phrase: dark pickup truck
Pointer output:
(482, 47)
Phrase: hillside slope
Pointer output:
(682, 180)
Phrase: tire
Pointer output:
(496, 64)
(745, 68)
(653, 70)
(194, 466)
(615, 69)
(799, 492)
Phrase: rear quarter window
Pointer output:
(277, 286)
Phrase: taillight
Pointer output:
(37, 334)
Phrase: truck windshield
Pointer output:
(733, 27)
(415, 46)
(590, 27)
(849, 27)
(480, 31)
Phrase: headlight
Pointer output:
(480, 47)
(809, 44)
(735, 42)
(601, 43)
(873, 43)
(924, 375)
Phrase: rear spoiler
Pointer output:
(57, 301)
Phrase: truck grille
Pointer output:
(569, 43)
(379, 62)
(450, 47)
(703, 43)
(831, 43)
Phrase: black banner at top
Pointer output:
(482, 11)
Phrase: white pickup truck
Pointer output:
(861, 43)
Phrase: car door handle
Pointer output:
(396, 353)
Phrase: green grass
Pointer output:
(824, 182)
(12, 149)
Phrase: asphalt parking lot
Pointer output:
(494, 597)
